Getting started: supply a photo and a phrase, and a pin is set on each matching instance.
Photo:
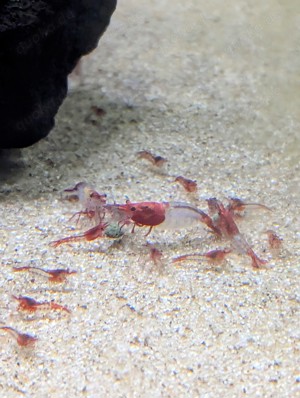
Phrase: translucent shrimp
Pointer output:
(240, 244)
(156, 160)
(23, 339)
(215, 256)
(54, 275)
(224, 222)
(238, 205)
(92, 201)
(188, 185)
(274, 241)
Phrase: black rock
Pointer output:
(40, 43)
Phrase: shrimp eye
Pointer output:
(133, 209)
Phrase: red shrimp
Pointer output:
(92, 201)
(215, 256)
(145, 214)
(54, 275)
(31, 305)
(91, 234)
(155, 255)
(274, 241)
(156, 160)
(223, 219)
(238, 205)
(188, 185)
(23, 339)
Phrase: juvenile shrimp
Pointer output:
(91, 234)
(155, 255)
(98, 111)
(23, 339)
(82, 192)
(188, 185)
(54, 275)
(223, 220)
(157, 161)
(31, 305)
(92, 201)
(238, 205)
(242, 246)
(215, 256)
(274, 241)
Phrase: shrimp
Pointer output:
(155, 255)
(98, 111)
(157, 161)
(92, 201)
(188, 185)
(223, 219)
(23, 339)
(274, 241)
(54, 275)
(143, 214)
(31, 305)
(242, 246)
(238, 205)
(224, 222)
(165, 215)
(216, 256)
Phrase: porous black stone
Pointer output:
(40, 43)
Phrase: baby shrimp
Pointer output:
(274, 240)
(155, 255)
(215, 256)
(23, 339)
(54, 275)
(91, 200)
(91, 234)
(98, 111)
(238, 205)
(31, 305)
(223, 219)
(241, 245)
(188, 185)
(157, 161)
